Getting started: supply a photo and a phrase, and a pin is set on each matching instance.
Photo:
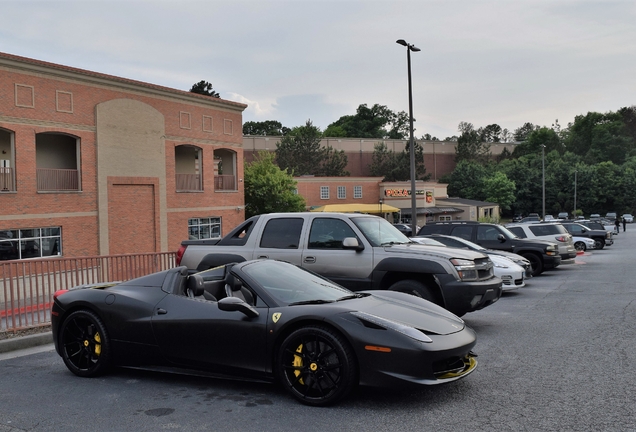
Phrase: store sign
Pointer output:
(401, 193)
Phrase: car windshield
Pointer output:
(290, 285)
(506, 232)
(379, 231)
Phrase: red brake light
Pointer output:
(180, 253)
(562, 239)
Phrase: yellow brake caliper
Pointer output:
(298, 362)
(98, 344)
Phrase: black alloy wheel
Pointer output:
(317, 366)
(413, 287)
(84, 344)
(599, 243)
(535, 262)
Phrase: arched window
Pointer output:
(57, 159)
(225, 170)
(7, 161)
(188, 168)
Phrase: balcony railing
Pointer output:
(57, 179)
(27, 286)
(188, 182)
(225, 182)
(7, 182)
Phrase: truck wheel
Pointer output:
(415, 288)
(535, 262)
(599, 243)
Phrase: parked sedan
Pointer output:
(511, 268)
(583, 243)
(266, 320)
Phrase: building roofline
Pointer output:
(28, 64)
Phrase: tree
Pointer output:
(471, 145)
(467, 180)
(268, 189)
(521, 133)
(204, 88)
(375, 122)
(265, 128)
(499, 189)
(300, 153)
(397, 166)
(539, 137)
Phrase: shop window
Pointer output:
(204, 228)
(30, 243)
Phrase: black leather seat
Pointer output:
(195, 286)
(234, 288)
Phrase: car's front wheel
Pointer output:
(580, 246)
(415, 288)
(317, 366)
(535, 262)
(84, 344)
(599, 243)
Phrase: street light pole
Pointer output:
(410, 48)
(543, 182)
(574, 212)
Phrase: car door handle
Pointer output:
(161, 311)
(262, 256)
(310, 259)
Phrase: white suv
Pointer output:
(554, 232)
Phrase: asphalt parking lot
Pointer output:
(556, 355)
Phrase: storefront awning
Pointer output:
(356, 208)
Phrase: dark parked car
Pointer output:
(543, 255)
(405, 229)
(266, 320)
(601, 238)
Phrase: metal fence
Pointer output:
(27, 286)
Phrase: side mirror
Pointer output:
(352, 243)
(234, 304)
(501, 238)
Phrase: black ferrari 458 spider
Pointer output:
(263, 320)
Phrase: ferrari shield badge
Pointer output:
(276, 317)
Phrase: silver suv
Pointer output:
(554, 232)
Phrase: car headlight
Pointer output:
(499, 264)
(409, 331)
(466, 269)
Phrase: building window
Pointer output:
(342, 192)
(204, 228)
(30, 243)
(324, 192)
(445, 218)
(357, 191)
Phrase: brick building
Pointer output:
(92, 164)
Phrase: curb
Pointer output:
(24, 342)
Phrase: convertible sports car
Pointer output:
(265, 320)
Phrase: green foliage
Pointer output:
(467, 181)
(375, 122)
(300, 153)
(499, 189)
(265, 128)
(536, 139)
(204, 88)
(268, 189)
(397, 166)
(472, 144)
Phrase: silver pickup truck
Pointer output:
(357, 251)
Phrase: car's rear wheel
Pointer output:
(580, 246)
(535, 262)
(415, 288)
(84, 344)
(317, 366)
(599, 243)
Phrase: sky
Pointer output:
(481, 61)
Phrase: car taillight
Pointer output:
(180, 253)
(562, 239)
